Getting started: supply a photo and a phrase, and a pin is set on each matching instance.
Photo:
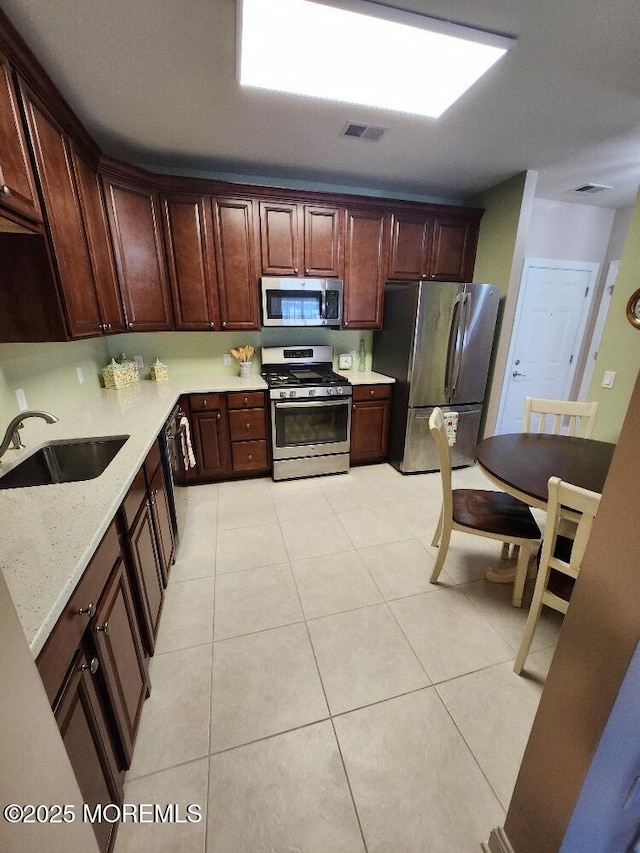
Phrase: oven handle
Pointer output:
(288, 404)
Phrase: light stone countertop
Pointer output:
(50, 533)
(368, 377)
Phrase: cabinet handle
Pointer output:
(249, 456)
(306, 272)
(104, 629)
(102, 327)
(108, 325)
(218, 416)
(346, 322)
(205, 403)
(92, 666)
(295, 269)
(129, 325)
(224, 324)
(248, 426)
(88, 611)
(6, 190)
(212, 325)
(246, 400)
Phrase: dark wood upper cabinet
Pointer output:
(410, 254)
(17, 186)
(64, 219)
(365, 264)
(300, 240)
(454, 249)
(188, 229)
(95, 221)
(134, 222)
(237, 251)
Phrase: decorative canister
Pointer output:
(246, 369)
(159, 372)
(131, 367)
(116, 376)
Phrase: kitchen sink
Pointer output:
(64, 462)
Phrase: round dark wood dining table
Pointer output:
(521, 464)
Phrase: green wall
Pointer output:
(620, 345)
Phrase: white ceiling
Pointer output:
(154, 82)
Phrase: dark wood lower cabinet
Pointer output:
(163, 527)
(145, 568)
(370, 423)
(211, 443)
(86, 735)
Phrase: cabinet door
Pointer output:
(364, 268)
(162, 521)
(147, 575)
(237, 252)
(17, 186)
(410, 254)
(64, 219)
(280, 239)
(454, 245)
(135, 231)
(104, 271)
(85, 733)
(369, 431)
(188, 232)
(323, 241)
(122, 661)
(211, 443)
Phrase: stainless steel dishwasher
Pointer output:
(175, 469)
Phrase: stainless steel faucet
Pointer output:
(12, 435)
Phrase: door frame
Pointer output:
(598, 327)
(530, 263)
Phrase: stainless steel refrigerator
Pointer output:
(436, 342)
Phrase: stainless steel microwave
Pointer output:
(301, 301)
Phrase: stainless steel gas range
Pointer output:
(310, 411)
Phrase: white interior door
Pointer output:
(549, 324)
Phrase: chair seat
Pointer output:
(494, 512)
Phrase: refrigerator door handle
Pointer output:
(461, 339)
(453, 346)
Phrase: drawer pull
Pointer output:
(205, 403)
(92, 666)
(218, 416)
(6, 190)
(372, 392)
(104, 629)
(88, 611)
(246, 400)
(249, 456)
(248, 426)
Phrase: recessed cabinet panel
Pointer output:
(370, 423)
(322, 241)
(410, 247)
(364, 268)
(148, 575)
(453, 256)
(191, 261)
(64, 220)
(138, 248)
(18, 192)
(162, 521)
(211, 443)
(280, 239)
(237, 251)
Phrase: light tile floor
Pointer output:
(312, 692)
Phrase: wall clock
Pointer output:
(633, 309)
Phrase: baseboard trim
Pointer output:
(498, 842)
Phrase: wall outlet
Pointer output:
(608, 379)
(139, 360)
(80, 374)
(226, 359)
(22, 400)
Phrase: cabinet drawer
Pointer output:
(54, 659)
(134, 498)
(249, 424)
(250, 400)
(204, 402)
(371, 392)
(249, 455)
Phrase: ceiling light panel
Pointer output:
(361, 53)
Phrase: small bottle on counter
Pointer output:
(362, 357)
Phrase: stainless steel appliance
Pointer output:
(301, 301)
(175, 470)
(310, 411)
(436, 342)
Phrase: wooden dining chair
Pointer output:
(578, 413)
(494, 515)
(560, 560)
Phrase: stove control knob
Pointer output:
(339, 390)
(312, 392)
(331, 391)
(292, 393)
(283, 393)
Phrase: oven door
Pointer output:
(310, 427)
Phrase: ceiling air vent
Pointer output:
(591, 188)
(364, 131)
